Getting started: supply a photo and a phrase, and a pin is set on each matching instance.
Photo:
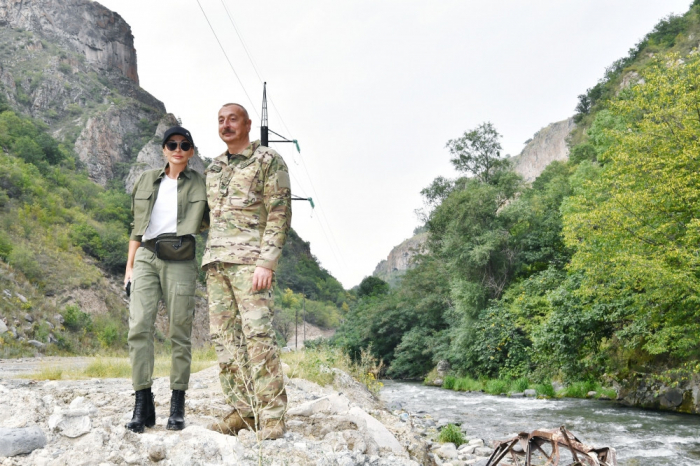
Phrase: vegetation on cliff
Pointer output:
(591, 270)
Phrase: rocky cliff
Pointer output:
(86, 27)
(399, 259)
(546, 146)
(72, 65)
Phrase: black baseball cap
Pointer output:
(177, 130)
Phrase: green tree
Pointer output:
(636, 227)
(478, 152)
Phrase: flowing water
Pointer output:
(641, 438)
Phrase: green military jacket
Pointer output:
(192, 208)
(251, 210)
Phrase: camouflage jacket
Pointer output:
(251, 209)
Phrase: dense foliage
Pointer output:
(592, 269)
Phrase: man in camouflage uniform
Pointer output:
(249, 196)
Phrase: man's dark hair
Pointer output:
(245, 112)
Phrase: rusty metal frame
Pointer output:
(524, 445)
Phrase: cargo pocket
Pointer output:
(185, 303)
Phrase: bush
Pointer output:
(449, 383)
(452, 434)
(75, 319)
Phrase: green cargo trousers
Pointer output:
(175, 282)
(240, 323)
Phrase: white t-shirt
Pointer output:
(164, 214)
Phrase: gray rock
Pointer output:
(20, 441)
(438, 382)
(50, 325)
(156, 453)
(443, 368)
(395, 406)
(404, 417)
(591, 394)
(476, 442)
(28, 318)
(37, 344)
(58, 318)
(7, 293)
(442, 423)
(517, 395)
(558, 386)
(483, 451)
(530, 392)
(672, 398)
(21, 298)
(3, 327)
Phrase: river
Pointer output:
(641, 438)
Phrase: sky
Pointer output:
(373, 90)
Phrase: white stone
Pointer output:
(331, 404)
(376, 431)
(447, 451)
(3, 327)
(476, 442)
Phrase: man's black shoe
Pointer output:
(144, 411)
(176, 421)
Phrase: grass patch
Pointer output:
(520, 385)
(546, 389)
(467, 384)
(580, 389)
(449, 382)
(451, 434)
(315, 364)
(105, 367)
(496, 386)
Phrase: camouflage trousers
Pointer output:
(241, 328)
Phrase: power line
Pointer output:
(227, 59)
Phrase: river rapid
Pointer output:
(641, 438)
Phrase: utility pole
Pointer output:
(265, 138)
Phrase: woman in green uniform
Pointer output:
(169, 207)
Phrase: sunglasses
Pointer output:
(184, 145)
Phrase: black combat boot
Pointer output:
(144, 411)
(176, 421)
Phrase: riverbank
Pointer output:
(80, 422)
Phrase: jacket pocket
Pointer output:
(142, 203)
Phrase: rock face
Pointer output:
(72, 64)
(399, 259)
(547, 145)
(87, 27)
(647, 391)
(83, 424)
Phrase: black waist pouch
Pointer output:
(175, 248)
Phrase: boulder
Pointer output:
(3, 327)
(37, 344)
(331, 404)
(21, 441)
(75, 421)
(591, 394)
(443, 368)
(530, 392)
(447, 451)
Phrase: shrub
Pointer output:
(75, 319)
(452, 433)
(109, 334)
(449, 383)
